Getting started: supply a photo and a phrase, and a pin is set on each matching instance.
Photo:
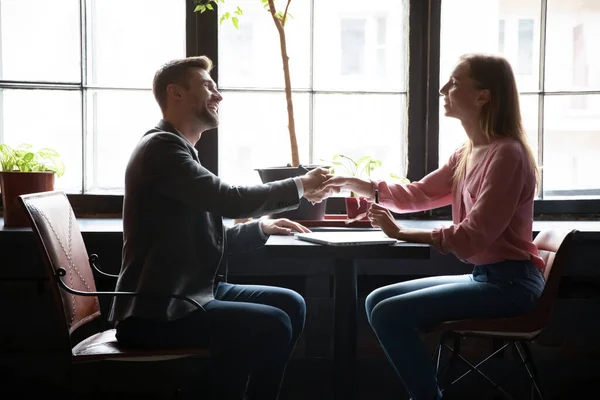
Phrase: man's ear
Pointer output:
(174, 91)
(484, 97)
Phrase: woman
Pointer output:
(491, 184)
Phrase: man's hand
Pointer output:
(312, 182)
(281, 226)
(382, 217)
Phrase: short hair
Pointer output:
(176, 72)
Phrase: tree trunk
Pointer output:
(288, 84)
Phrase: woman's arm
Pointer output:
(508, 181)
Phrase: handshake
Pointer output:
(319, 184)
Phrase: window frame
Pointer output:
(423, 113)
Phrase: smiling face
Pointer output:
(462, 99)
(203, 97)
(198, 98)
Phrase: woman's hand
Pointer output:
(382, 218)
(337, 183)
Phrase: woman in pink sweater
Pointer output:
(491, 183)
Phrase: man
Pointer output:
(175, 243)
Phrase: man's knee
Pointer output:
(275, 329)
(293, 305)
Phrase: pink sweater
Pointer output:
(492, 208)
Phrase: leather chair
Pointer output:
(83, 337)
(555, 247)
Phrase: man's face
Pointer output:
(201, 98)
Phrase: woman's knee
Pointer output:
(391, 312)
(374, 298)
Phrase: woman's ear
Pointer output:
(484, 97)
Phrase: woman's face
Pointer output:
(461, 99)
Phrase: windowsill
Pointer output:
(588, 230)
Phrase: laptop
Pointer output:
(347, 238)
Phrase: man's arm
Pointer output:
(244, 237)
(174, 173)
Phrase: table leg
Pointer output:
(345, 300)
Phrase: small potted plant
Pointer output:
(356, 206)
(25, 171)
(362, 167)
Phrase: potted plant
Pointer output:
(306, 211)
(362, 167)
(25, 171)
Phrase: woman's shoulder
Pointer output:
(508, 148)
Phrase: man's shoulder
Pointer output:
(156, 140)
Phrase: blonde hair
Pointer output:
(501, 116)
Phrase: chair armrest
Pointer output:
(93, 258)
(60, 272)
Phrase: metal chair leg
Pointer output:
(438, 354)
(527, 359)
(455, 353)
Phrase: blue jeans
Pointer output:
(397, 312)
(253, 331)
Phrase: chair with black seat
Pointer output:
(555, 247)
(84, 337)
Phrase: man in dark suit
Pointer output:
(175, 243)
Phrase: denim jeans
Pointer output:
(397, 312)
(252, 331)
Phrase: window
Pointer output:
(353, 47)
(76, 75)
(525, 60)
(565, 138)
(501, 33)
(580, 66)
(348, 73)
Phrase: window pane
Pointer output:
(360, 48)
(116, 122)
(571, 143)
(452, 134)
(503, 27)
(40, 40)
(253, 133)
(129, 40)
(359, 125)
(45, 118)
(250, 57)
(572, 57)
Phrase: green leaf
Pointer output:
(209, 6)
(235, 22)
(239, 11)
(200, 7)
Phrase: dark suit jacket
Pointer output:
(173, 232)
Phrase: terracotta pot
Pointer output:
(356, 206)
(14, 184)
